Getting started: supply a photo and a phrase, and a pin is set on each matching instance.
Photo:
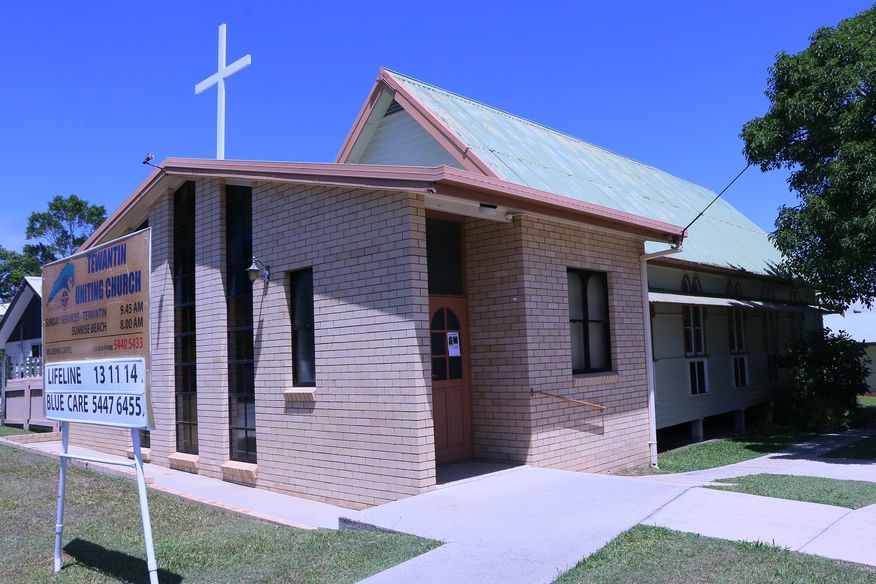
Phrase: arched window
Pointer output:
(695, 285)
(685, 283)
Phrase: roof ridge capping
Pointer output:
(428, 86)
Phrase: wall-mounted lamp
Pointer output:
(258, 267)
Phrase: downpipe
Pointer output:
(649, 353)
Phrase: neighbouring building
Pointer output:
(21, 342)
(461, 283)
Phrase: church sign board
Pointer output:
(96, 334)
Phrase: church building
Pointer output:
(460, 284)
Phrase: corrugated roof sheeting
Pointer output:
(529, 154)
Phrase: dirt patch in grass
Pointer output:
(849, 494)
(104, 542)
(655, 555)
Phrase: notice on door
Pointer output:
(453, 348)
(96, 334)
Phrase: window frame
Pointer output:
(585, 276)
(736, 329)
(294, 280)
(695, 362)
(687, 316)
(185, 372)
(741, 376)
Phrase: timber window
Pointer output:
(238, 293)
(694, 332)
(697, 371)
(588, 321)
(185, 368)
(303, 347)
(695, 348)
(736, 320)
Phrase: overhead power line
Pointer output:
(718, 196)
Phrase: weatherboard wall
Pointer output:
(674, 402)
(400, 140)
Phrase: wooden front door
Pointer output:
(451, 394)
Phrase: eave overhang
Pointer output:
(441, 180)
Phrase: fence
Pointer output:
(23, 395)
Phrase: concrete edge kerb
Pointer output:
(94, 466)
(150, 481)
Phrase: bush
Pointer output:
(826, 372)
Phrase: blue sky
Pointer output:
(90, 87)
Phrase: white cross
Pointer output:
(218, 79)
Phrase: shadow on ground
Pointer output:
(118, 565)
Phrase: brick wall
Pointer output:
(498, 354)
(366, 436)
(519, 335)
(211, 327)
(566, 435)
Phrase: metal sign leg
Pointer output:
(151, 563)
(62, 483)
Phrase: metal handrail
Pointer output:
(580, 402)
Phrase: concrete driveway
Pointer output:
(519, 525)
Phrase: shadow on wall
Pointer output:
(117, 565)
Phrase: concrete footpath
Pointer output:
(520, 525)
(824, 530)
(238, 499)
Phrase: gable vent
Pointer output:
(393, 108)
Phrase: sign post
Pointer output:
(96, 351)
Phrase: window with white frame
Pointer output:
(798, 317)
(736, 321)
(695, 347)
(588, 321)
(769, 341)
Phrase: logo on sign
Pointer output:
(62, 289)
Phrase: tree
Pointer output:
(54, 233)
(14, 266)
(63, 228)
(826, 373)
(821, 125)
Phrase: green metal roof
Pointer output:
(536, 156)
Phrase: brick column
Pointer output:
(161, 329)
(211, 326)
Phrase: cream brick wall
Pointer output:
(367, 436)
(566, 435)
(519, 335)
(163, 438)
(498, 352)
(211, 327)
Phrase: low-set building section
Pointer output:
(461, 283)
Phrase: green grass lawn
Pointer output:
(10, 431)
(850, 494)
(655, 555)
(104, 542)
(724, 451)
